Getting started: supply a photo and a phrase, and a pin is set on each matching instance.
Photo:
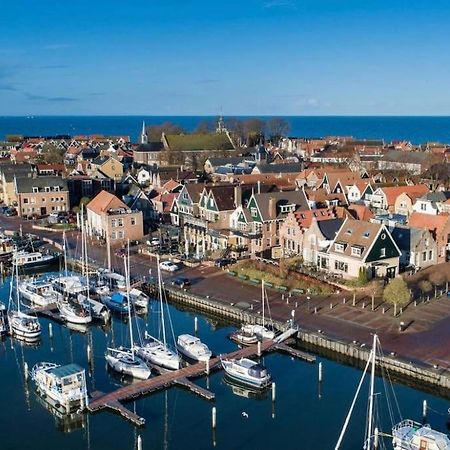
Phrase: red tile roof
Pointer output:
(105, 201)
(304, 218)
(434, 223)
(414, 191)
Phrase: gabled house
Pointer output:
(418, 247)
(432, 202)
(384, 198)
(111, 219)
(109, 166)
(439, 226)
(361, 246)
(358, 191)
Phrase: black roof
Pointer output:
(329, 228)
(154, 146)
(26, 184)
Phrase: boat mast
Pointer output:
(163, 325)
(372, 383)
(263, 301)
(108, 248)
(65, 253)
(85, 261)
(127, 278)
(17, 286)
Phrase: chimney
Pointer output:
(272, 208)
(237, 195)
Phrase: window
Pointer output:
(366, 234)
(121, 235)
(423, 207)
(120, 222)
(25, 200)
(113, 223)
(133, 221)
(356, 251)
(253, 212)
(424, 256)
(113, 235)
(349, 231)
(43, 200)
(35, 189)
(339, 247)
(47, 189)
(382, 252)
(341, 266)
(430, 255)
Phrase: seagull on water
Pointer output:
(244, 414)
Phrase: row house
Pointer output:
(360, 246)
(417, 245)
(439, 227)
(41, 195)
(295, 225)
(257, 225)
(385, 198)
(8, 174)
(432, 202)
(111, 219)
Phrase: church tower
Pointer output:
(144, 136)
(221, 125)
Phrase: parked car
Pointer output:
(121, 252)
(168, 266)
(223, 262)
(11, 212)
(182, 282)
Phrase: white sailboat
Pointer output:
(125, 360)
(71, 306)
(21, 325)
(251, 333)
(154, 350)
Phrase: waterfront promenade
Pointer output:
(425, 339)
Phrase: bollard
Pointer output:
(415, 302)
(363, 305)
(274, 392)
(315, 309)
(296, 304)
(354, 299)
(343, 300)
(50, 330)
(424, 410)
(207, 367)
(259, 348)
(25, 370)
(88, 351)
(195, 324)
(214, 417)
(376, 439)
(320, 373)
(383, 310)
(331, 305)
(139, 442)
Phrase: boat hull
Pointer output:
(120, 366)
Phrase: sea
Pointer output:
(306, 414)
(412, 128)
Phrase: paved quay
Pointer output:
(426, 339)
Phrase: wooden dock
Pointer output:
(113, 400)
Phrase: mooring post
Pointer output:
(376, 438)
(207, 367)
(214, 417)
(274, 392)
(320, 373)
(50, 330)
(88, 351)
(259, 348)
(25, 370)
(354, 299)
(373, 302)
(196, 324)
(424, 410)
(315, 309)
(139, 442)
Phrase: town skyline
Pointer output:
(278, 57)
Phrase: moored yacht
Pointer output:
(124, 361)
(156, 352)
(38, 292)
(70, 286)
(193, 348)
(117, 302)
(247, 371)
(245, 335)
(139, 299)
(34, 260)
(65, 385)
(411, 435)
(74, 311)
(23, 325)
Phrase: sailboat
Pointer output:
(154, 350)
(72, 308)
(125, 360)
(251, 333)
(21, 325)
(406, 434)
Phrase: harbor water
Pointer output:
(306, 415)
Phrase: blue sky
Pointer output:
(192, 57)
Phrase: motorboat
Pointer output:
(245, 335)
(74, 311)
(124, 361)
(34, 260)
(99, 311)
(411, 435)
(193, 348)
(38, 292)
(24, 326)
(247, 372)
(6, 248)
(70, 286)
(3, 324)
(262, 332)
(244, 390)
(116, 302)
(112, 279)
(66, 385)
(139, 299)
(154, 351)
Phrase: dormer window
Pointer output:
(383, 252)
(35, 189)
(356, 251)
(56, 188)
(349, 231)
(339, 247)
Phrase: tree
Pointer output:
(276, 128)
(83, 202)
(397, 293)
(54, 156)
(154, 132)
(425, 287)
(204, 127)
(363, 278)
(436, 278)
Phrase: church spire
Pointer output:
(144, 136)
